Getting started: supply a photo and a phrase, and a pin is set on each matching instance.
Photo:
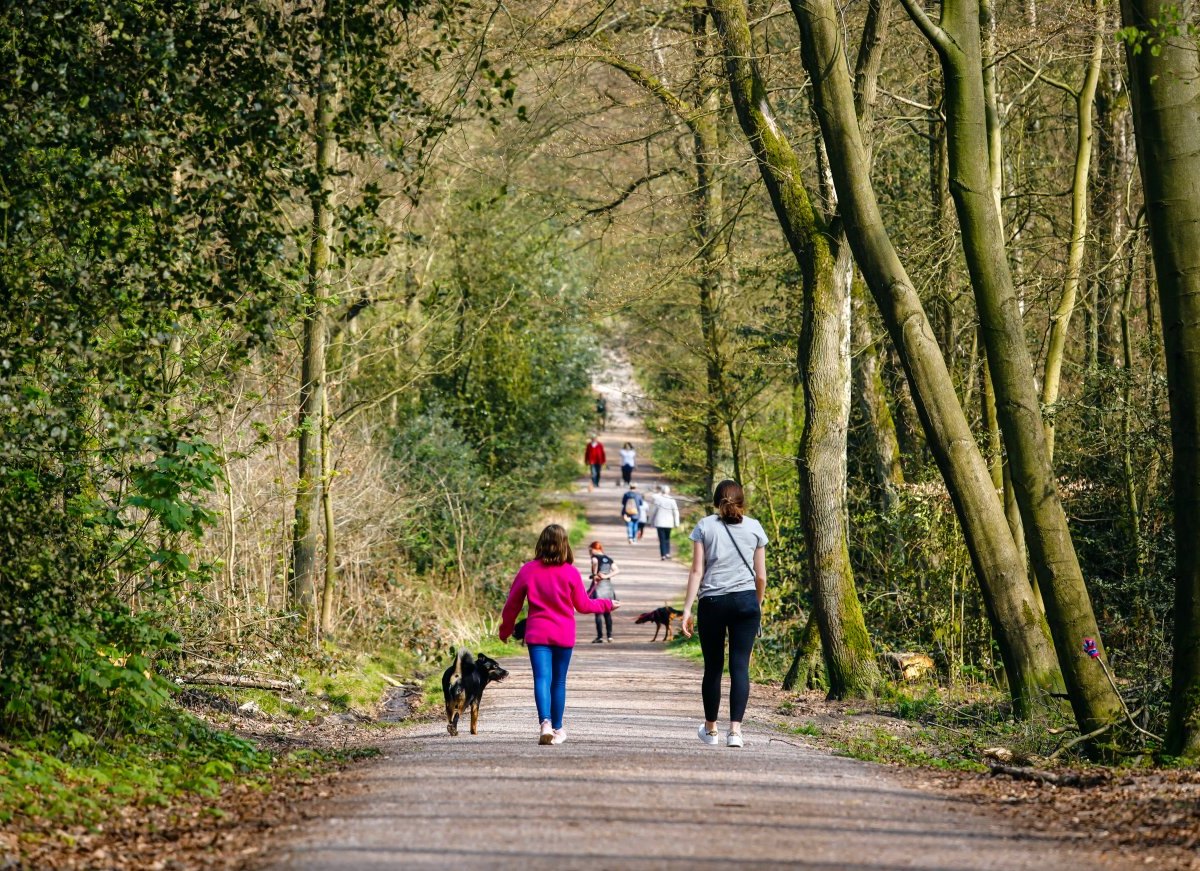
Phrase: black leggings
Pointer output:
(738, 614)
(604, 621)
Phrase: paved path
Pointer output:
(633, 788)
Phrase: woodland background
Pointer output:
(302, 301)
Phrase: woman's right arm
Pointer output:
(693, 586)
(516, 598)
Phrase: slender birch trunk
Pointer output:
(1060, 320)
(302, 577)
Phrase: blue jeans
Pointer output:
(631, 527)
(550, 666)
(595, 468)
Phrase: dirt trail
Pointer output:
(632, 787)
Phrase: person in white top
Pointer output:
(729, 575)
(628, 462)
(666, 518)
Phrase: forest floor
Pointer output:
(632, 787)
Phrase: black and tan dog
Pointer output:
(661, 617)
(463, 684)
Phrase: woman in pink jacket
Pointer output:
(555, 592)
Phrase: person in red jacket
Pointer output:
(594, 456)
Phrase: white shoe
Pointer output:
(733, 739)
(547, 736)
(709, 738)
(560, 735)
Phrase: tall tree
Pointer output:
(1164, 75)
(1068, 606)
(824, 365)
(1024, 643)
(311, 425)
(1060, 320)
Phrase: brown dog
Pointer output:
(661, 617)
(463, 684)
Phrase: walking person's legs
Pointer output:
(607, 615)
(627, 474)
(631, 530)
(541, 661)
(595, 474)
(743, 628)
(664, 541)
(560, 661)
(600, 629)
(710, 619)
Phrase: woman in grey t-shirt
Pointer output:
(729, 574)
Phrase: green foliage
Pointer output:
(912, 707)
(881, 745)
(81, 781)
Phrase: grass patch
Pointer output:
(80, 782)
(688, 648)
(810, 729)
(879, 745)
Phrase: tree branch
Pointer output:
(629, 189)
(936, 36)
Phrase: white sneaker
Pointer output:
(547, 736)
(560, 735)
(709, 738)
(733, 739)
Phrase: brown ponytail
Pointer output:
(730, 501)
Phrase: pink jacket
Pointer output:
(555, 593)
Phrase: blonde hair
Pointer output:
(553, 548)
(730, 501)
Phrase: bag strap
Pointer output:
(737, 549)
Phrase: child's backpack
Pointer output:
(631, 508)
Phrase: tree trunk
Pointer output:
(706, 224)
(872, 396)
(1068, 606)
(807, 669)
(868, 381)
(302, 578)
(1113, 165)
(1060, 320)
(825, 368)
(1165, 87)
(1019, 628)
(326, 619)
(824, 364)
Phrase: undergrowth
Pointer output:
(75, 781)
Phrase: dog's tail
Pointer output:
(462, 661)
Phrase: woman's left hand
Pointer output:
(685, 624)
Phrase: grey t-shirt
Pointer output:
(724, 571)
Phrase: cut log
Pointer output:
(237, 680)
(1067, 778)
(908, 666)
